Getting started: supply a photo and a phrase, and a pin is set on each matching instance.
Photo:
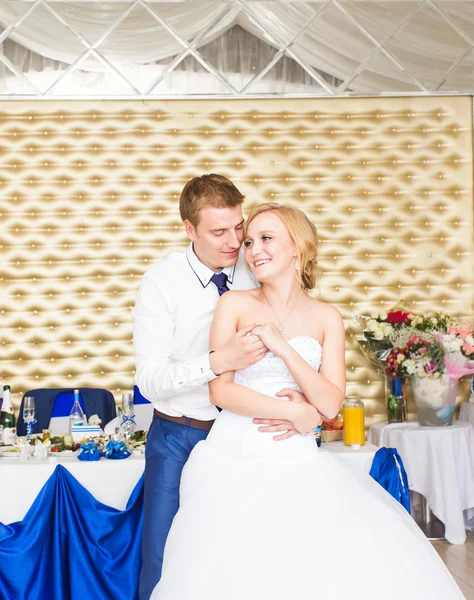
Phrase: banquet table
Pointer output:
(72, 530)
(439, 462)
(110, 481)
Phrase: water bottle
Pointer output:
(76, 416)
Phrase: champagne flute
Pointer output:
(29, 415)
(128, 415)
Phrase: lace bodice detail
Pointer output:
(271, 370)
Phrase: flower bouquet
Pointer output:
(376, 339)
(404, 345)
(434, 361)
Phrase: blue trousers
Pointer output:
(167, 449)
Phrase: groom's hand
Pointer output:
(275, 425)
(242, 350)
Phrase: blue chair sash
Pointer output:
(388, 470)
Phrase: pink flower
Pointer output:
(452, 330)
(422, 351)
(465, 330)
(468, 349)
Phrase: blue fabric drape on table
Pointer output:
(388, 470)
(69, 546)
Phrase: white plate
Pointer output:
(9, 454)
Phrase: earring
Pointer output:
(297, 267)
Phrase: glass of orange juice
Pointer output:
(353, 417)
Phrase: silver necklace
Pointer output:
(280, 323)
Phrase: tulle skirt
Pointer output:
(306, 528)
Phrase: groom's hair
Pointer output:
(207, 190)
(303, 233)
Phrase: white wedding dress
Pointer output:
(266, 520)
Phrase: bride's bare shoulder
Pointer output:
(238, 297)
(326, 311)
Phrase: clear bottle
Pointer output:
(7, 417)
(354, 425)
(76, 416)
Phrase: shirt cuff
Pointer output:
(202, 367)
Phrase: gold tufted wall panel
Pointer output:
(89, 200)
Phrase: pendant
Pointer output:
(280, 328)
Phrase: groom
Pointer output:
(171, 322)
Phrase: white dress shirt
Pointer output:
(171, 323)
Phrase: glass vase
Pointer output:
(435, 399)
(397, 411)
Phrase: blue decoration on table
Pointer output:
(70, 546)
(130, 419)
(388, 470)
(116, 450)
(29, 427)
(89, 451)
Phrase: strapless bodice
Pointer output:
(238, 437)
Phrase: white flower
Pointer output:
(434, 320)
(95, 420)
(383, 316)
(374, 315)
(372, 325)
(410, 366)
(378, 334)
(400, 358)
(387, 329)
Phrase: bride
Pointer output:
(266, 520)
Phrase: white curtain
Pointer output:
(237, 46)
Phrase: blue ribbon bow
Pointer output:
(126, 419)
(116, 450)
(89, 451)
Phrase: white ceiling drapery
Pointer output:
(334, 46)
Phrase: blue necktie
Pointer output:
(220, 279)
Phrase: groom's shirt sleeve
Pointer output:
(157, 375)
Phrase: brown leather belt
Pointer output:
(204, 425)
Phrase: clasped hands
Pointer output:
(307, 417)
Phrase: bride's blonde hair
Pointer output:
(303, 233)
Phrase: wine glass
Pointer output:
(128, 414)
(29, 415)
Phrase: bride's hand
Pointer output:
(305, 417)
(285, 429)
(271, 337)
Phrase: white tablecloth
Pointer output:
(466, 412)
(356, 457)
(440, 465)
(109, 481)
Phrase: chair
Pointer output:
(388, 470)
(53, 405)
(143, 410)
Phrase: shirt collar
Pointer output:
(204, 273)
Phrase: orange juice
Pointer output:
(353, 417)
